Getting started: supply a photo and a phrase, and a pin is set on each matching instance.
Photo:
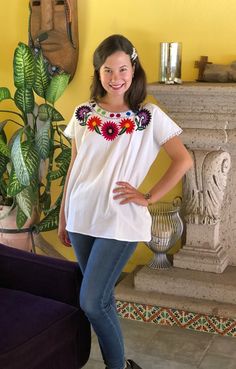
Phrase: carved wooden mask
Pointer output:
(53, 28)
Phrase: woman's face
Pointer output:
(116, 73)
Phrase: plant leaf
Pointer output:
(42, 78)
(24, 99)
(4, 149)
(21, 218)
(47, 112)
(14, 186)
(24, 68)
(63, 162)
(42, 141)
(25, 159)
(50, 222)
(3, 164)
(25, 201)
(4, 93)
(57, 86)
(18, 160)
(31, 157)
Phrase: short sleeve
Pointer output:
(70, 129)
(76, 127)
(164, 127)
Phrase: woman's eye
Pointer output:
(36, 3)
(60, 2)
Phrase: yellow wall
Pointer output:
(205, 27)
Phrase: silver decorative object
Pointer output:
(167, 228)
(170, 66)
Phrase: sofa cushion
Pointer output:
(40, 275)
(28, 322)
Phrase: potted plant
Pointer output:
(33, 150)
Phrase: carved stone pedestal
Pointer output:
(207, 114)
(202, 250)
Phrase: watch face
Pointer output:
(53, 28)
(147, 196)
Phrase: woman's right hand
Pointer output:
(62, 232)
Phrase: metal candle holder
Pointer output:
(167, 228)
(170, 66)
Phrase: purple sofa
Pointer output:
(41, 323)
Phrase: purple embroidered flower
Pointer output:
(144, 116)
(81, 112)
(109, 131)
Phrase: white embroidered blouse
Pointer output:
(112, 147)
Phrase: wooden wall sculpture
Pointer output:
(53, 28)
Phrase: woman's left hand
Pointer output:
(127, 194)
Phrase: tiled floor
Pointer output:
(159, 347)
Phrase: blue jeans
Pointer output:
(101, 262)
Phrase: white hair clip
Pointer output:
(134, 54)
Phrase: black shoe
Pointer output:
(130, 364)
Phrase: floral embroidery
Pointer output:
(82, 112)
(126, 125)
(109, 131)
(143, 118)
(93, 123)
(88, 115)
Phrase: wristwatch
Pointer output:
(147, 197)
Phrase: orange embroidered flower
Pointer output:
(126, 125)
(93, 123)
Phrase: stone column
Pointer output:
(203, 197)
(207, 114)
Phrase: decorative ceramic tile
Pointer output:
(174, 317)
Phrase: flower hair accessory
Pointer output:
(134, 54)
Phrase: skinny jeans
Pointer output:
(101, 262)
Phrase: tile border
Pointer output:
(174, 317)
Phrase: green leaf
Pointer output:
(31, 157)
(14, 186)
(50, 222)
(25, 159)
(4, 149)
(57, 86)
(21, 218)
(42, 79)
(4, 93)
(42, 141)
(47, 112)
(64, 156)
(25, 201)
(45, 201)
(24, 68)
(19, 161)
(24, 99)
(63, 162)
(3, 164)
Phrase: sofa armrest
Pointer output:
(40, 275)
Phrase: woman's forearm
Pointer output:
(171, 177)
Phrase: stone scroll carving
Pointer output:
(204, 186)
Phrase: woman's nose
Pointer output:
(115, 76)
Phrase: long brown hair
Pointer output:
(136, 93)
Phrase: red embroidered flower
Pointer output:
(93, 123)
(109, 131)
(126, 125)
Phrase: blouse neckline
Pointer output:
(107, 114)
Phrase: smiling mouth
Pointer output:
(116, 87)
